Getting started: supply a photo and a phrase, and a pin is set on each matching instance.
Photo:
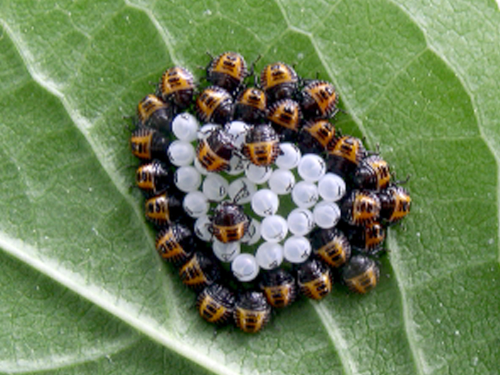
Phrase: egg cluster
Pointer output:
(255, 195)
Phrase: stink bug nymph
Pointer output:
(251, 311)
(372, 173)
(174, 243)
(396, 202)
(228, 71)
(148, 144)
(331, 246)
(162, 209)
(262, 145)
(319, 100)
(360, 207)
(177, 86)
(155, 113)
(153, 178)
(368, 239)
(251, 106)
(216, 303)
(279, 81)
(285, 116)
(344, 155)
(199, 271)
(214, 152)
(314, 279)
(279, 287)
(214, 105)
(315, 136)
(230, 222)
(361, 274)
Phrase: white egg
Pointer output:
(297, 249)
(215, 187)
(195, 204)
(185, 127)
(331, 187)
(241, 190)
(245, 267)
(311, 167)
(274, 228)
(265, 202)
(300, 221)
(282, 181)
(237, 164)
(187, 179)
(238, 131)
(305, 194)
(257, 174)
(326, 214)
(289, 157)
(203, 228)
(226, 252)
(269, 255)
(181, 153)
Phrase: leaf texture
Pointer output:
(82, 289)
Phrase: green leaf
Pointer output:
(82, 290)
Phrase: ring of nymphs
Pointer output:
(256, 197)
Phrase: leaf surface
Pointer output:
(82, 288)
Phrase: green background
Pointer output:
(82, 290)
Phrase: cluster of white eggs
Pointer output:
(302, 178)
